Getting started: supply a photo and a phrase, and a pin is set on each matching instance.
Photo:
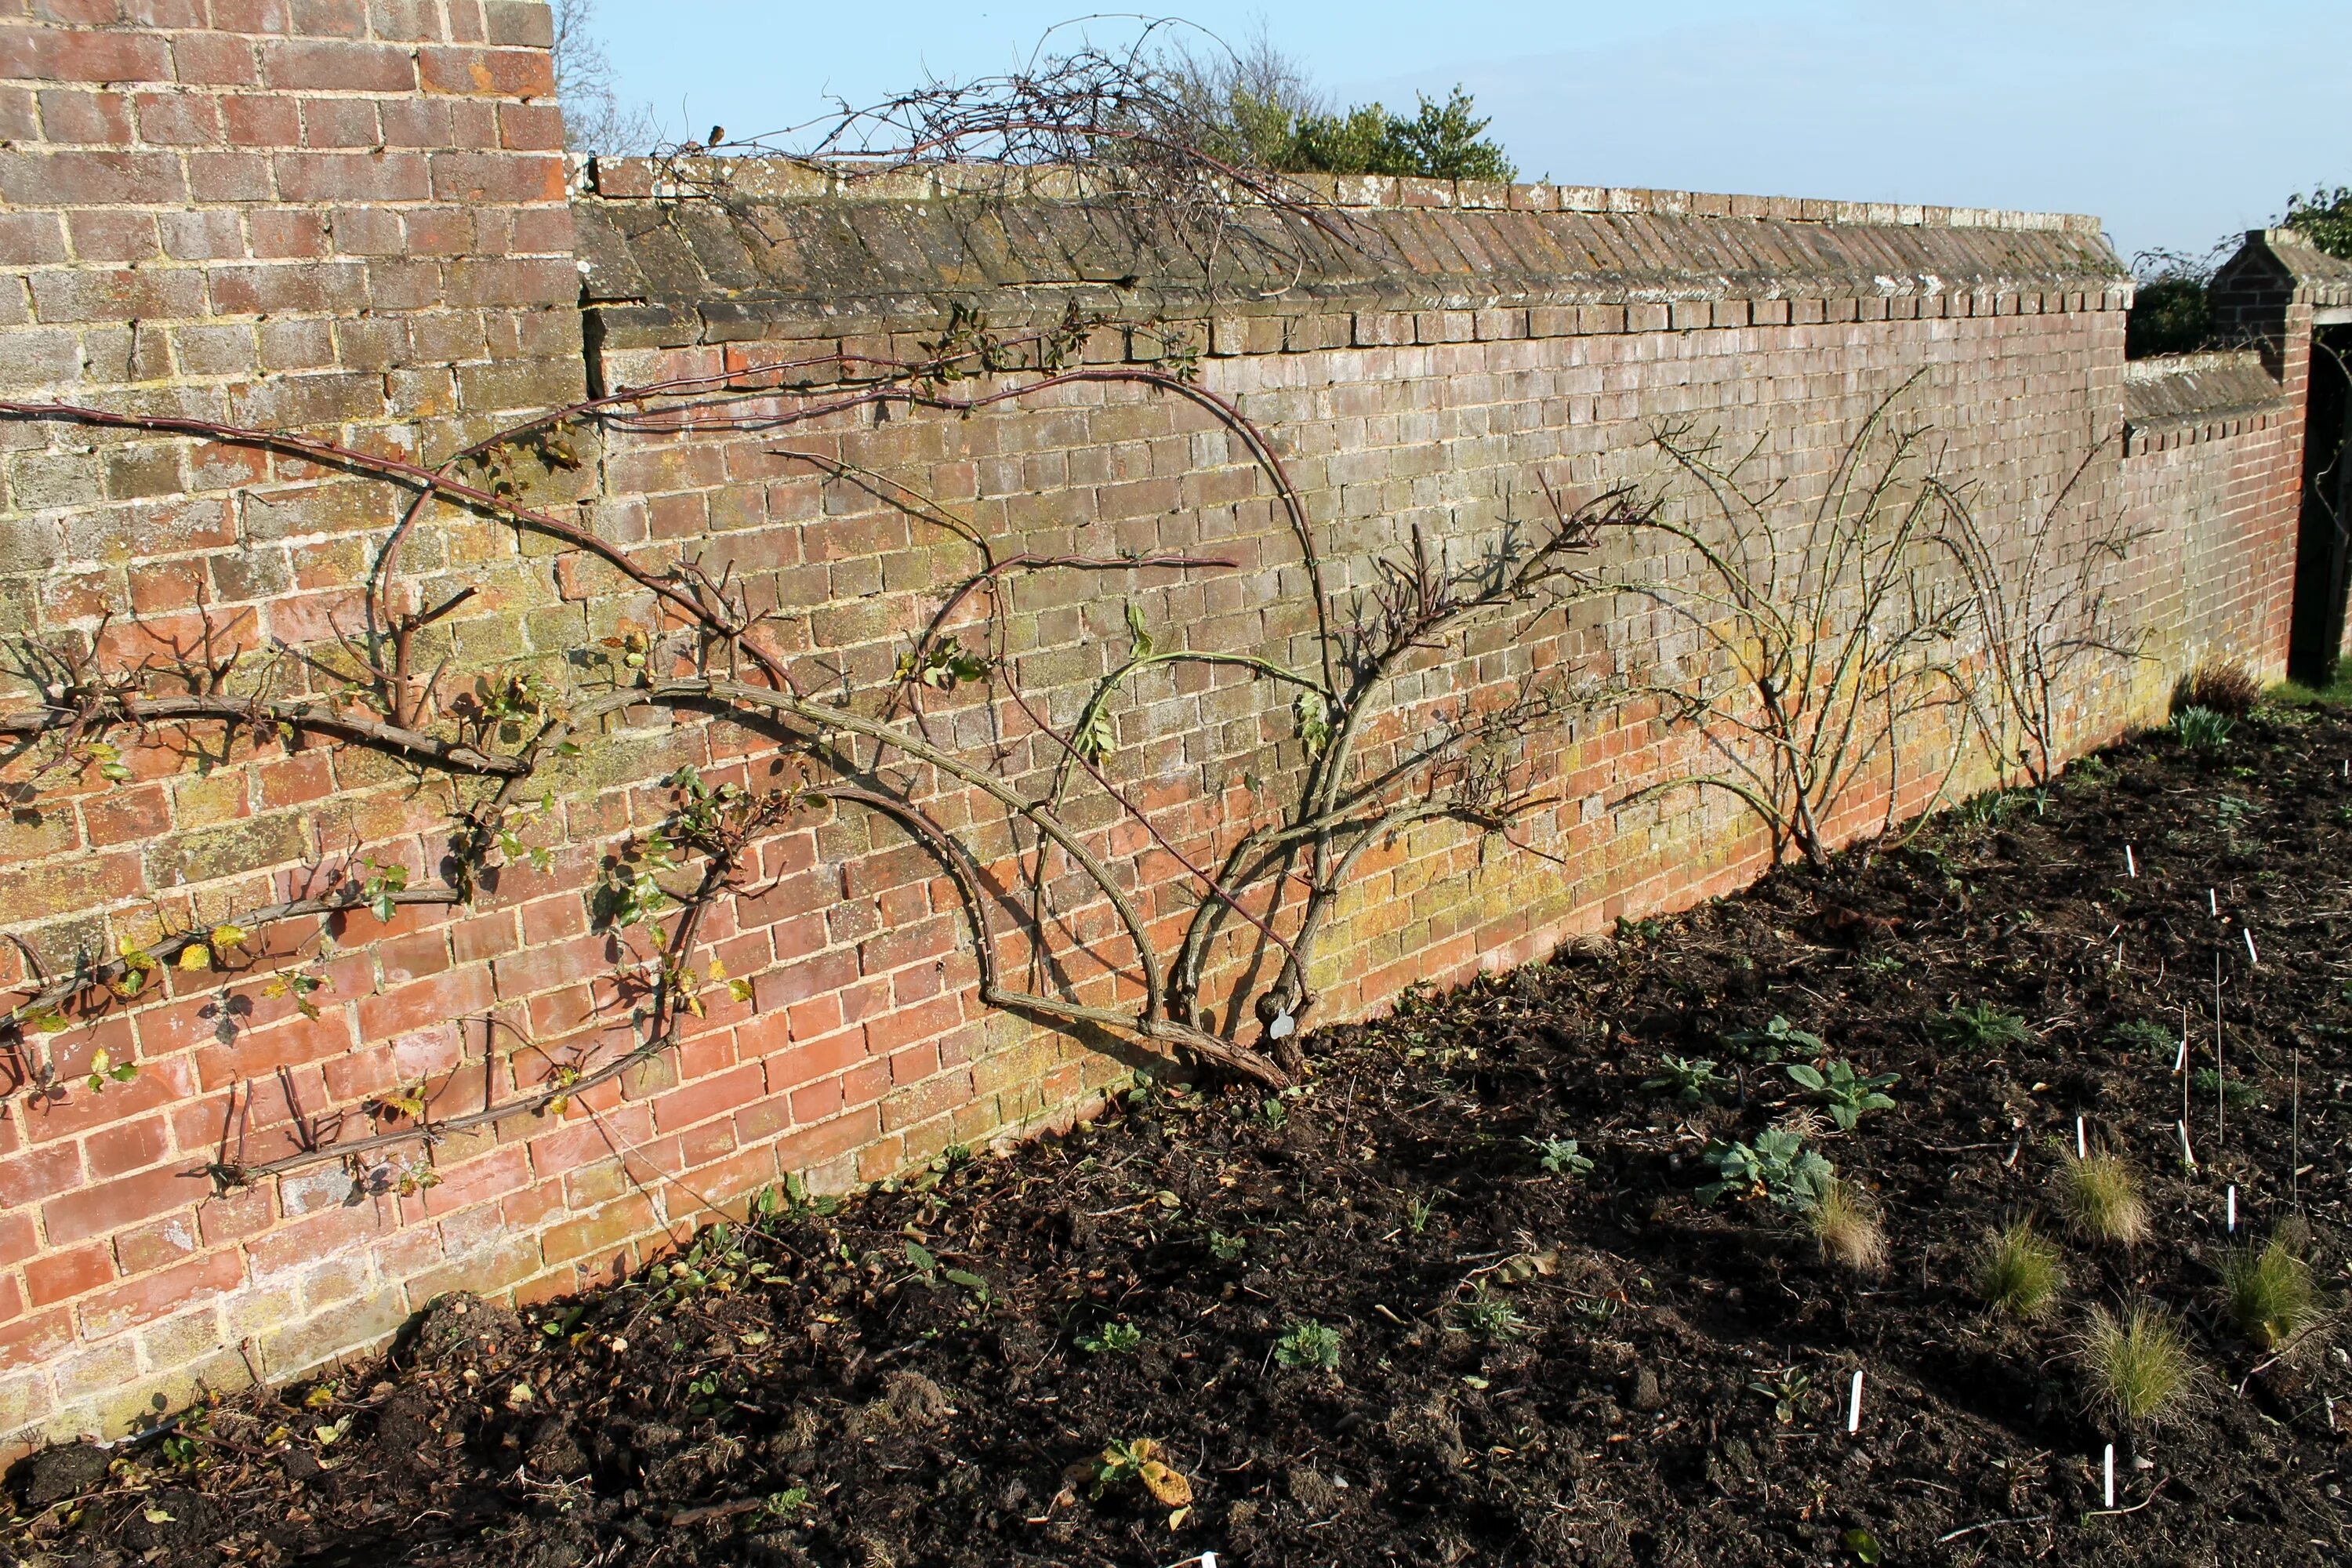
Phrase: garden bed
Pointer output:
(1529, 1365)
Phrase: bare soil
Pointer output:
(1533, 1366)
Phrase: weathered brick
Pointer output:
(74, 54)
(339, 65)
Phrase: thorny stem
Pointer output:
(1427, 607)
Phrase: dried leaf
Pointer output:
(1164, 1484)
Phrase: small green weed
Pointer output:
(1489, 1317)
(1112, 1338)
(1789, 1390)
(1227, 1249)
(1689, 1080)
(2144, 1038)
(1309, 1344)
(1978, 1026)
(2232, 813)
(1778, 1167)
(1846, 1093)
(1558, 1156)
(2237, 1095)
(1775, 1041)
(1139, 1462)
(1417, 1212)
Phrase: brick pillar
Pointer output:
(2257, 299)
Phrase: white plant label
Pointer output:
(2110, 1474)
(1853, 1407)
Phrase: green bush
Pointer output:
(1441, 141)
(2170, 315)
(2323, 218)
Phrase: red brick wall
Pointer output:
(2213, 497)
(339, 215)
(351, 219)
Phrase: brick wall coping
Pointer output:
(783, 179)
(749, 250)
(2198, 388)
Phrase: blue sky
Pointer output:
(2176, 120)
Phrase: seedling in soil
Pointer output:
(1778, 1167)
(1140, 1462)
(1112, 1338)
(2101, 1199)
(1558, 1156)
(1879, 965)
(2201, 729)
(1598, 1311)
(1489, 1317)
(1227, 1249)
(1977, 1026)
(2232, 812)
(1308, 1344)
(1789, 1390)
(2155, 1039)
(1689, 1080)
(2270, 1293)
(2137, 1366)
(1842, 1226)
(2019, 1272)
(1847, 1093)
(1417, 1213)
(1775, 1041)
(2237, 1095)
(1273, 1114)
